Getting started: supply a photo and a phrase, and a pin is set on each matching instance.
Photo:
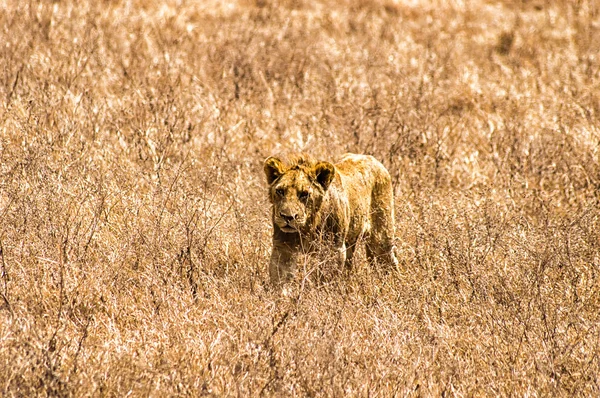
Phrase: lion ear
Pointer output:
(273, 169)
(324, 172)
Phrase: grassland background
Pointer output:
(135, 227)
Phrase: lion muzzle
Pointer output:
(288, 221)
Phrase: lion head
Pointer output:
(296, 191)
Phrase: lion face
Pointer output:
(297, 192)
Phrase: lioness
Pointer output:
(342, 203)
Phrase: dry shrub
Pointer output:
(134, 233)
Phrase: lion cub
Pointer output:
(315, 201)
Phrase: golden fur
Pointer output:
(315, 201)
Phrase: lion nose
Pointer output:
(288, 217)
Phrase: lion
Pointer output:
(316, 202)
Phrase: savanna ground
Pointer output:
(134, 221)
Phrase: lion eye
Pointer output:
(303, 195)
(279, 192)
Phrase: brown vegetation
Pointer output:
(134, 224)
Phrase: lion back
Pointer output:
(368, 186)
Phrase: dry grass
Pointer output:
(135, 232)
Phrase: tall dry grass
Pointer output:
(135, 230)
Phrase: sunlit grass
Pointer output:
(135, 226)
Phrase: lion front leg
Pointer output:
(344, 256)
(341, 255)
(282, 265)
